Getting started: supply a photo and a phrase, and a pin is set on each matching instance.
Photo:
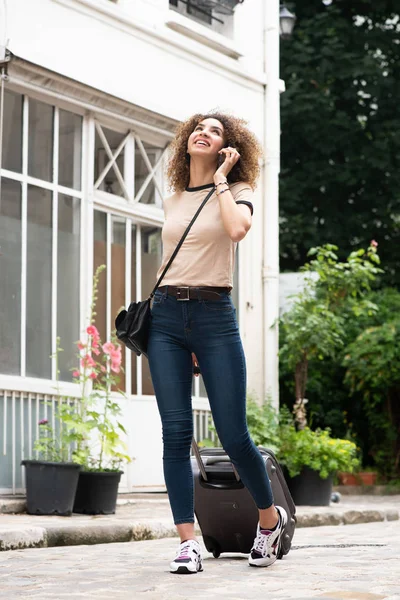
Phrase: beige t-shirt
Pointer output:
(207, 256)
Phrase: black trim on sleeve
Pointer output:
(249, 204)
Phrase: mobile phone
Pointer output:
(221, 159)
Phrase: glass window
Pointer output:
(12, 132)
(39, 273)
(10, 279)
(151, 260)
(194, 8)
(68, 263)
(70, 150)
(118, 268)
(40, 152)
(109, 182)
(117, 245)
(100, 258)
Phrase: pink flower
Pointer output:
(87, 361)
(116, 355)
(103, 369)
(76, 374)
(115, 368)
(96, 351)
(108, 347)
(81, 345)
(93, 375)
(374, 244)
(92, 330)
(43, 422)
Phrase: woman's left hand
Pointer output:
(231, 158)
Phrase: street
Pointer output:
(359, 562)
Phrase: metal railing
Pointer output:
(20, 413)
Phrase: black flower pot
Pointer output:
(309, 489)
(50, 487)
(97, 492)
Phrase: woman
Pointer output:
(193, 319)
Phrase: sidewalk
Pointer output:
(148, 517)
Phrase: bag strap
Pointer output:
(175, 252)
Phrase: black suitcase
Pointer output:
(224, 508)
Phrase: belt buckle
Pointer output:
(179, 292)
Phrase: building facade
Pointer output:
(92, 94)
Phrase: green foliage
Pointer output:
(314, 449)
(51, 447)
(373, 369)
(329, 402)
(314, 327)
(263, 423)
(340, 176)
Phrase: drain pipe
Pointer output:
(270, 271)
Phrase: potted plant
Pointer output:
(51, 478)
(311, 459)
(99, 449)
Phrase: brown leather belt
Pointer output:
(195, 293)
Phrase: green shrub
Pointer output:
(314, 449)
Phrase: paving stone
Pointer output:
(355, 562)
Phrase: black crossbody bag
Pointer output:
(133, 325)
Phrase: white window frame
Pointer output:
(55, 189)
(91, 199)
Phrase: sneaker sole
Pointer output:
(185, 571)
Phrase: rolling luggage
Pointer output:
(224, 508)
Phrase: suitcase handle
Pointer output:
(210, 461)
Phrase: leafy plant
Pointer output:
(314, 449)
(373, 369)
(340, 179)
(94, 426)
(314, 326)
(262, 421)
(51, 447)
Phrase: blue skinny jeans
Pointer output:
(210, 330)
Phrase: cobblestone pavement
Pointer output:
(355, 562)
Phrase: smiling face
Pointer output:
(207, 139)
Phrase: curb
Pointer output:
(45, 537)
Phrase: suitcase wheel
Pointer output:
(216, 553)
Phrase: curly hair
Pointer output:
(236, 134)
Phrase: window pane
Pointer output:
(68, 261)
(38, 299)
(141, 172)
(70, 150)
(40, 153)
(118, 244)
(100, 258)
(151, 259)
(10, 279)
(12, 132)
(110, 182)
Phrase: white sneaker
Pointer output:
(267, 543)
(188, 558)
